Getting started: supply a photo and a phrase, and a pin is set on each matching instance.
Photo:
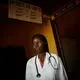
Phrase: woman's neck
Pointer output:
(41, 56)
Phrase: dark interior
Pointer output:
(12, 58)
(12, 63)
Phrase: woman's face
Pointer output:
(38, 45)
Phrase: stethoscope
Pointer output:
(38, 74)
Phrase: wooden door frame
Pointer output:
(58, 43)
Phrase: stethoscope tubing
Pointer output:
(38, 74)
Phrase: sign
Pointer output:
(24, 11)
(77, 2)
(66, 8)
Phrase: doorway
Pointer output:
(66, 30)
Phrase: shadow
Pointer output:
(12, 63)
(68, 49)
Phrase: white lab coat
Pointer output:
(47, 72)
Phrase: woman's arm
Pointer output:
(28, 72)
(61, 73)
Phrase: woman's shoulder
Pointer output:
(55, 56)
(31, 60)
(58, 59)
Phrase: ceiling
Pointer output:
(48, 6)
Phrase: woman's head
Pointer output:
(40, 43)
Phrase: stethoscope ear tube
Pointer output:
(38, 74)
(56, 68)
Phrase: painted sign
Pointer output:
(63, 10)
(24, 11)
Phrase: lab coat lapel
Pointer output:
(38, 65)
(46, 61)
(40, 69)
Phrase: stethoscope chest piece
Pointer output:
(38, 75)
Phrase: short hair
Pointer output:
(42, 38)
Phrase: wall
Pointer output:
(18, 33)
(46, 30)
(68, 24)
(69, 48)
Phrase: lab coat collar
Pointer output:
(45, 62)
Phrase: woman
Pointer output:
(44, 66)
